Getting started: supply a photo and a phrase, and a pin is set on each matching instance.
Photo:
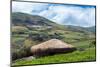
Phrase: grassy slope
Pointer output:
(87, 55)
(77, 56)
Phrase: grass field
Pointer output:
(77, 56)
(88, 54)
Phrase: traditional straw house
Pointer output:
(50, 47)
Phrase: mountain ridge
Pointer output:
(24, 19)
(27, 19)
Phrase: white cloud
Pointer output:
(27, 7)
(72, 15)
(22, 7)
(48, 14)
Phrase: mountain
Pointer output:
(80, 29)
(23, 19)
(91, 29)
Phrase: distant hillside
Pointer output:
(27, 19)
(92, 29)
(23, 19)
(80, 29)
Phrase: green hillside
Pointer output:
(23, 19)
(29, 30)
(81, 29)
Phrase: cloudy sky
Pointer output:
(60, 13)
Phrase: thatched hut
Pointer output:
(51, 47)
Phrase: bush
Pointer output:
(41, 36)
(23, 52)
(92, 44)
(21, 49)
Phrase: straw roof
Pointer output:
(51, 47)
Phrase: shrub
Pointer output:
(23, 52)
(92, 44)
(39, 36)
(21, 49)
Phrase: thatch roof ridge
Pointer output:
(53, 43)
